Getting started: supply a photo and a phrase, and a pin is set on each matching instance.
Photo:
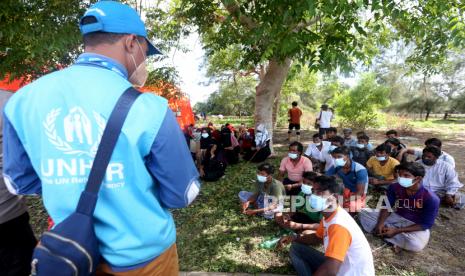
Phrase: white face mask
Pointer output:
(140, 75)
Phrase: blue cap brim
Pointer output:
(152, 50)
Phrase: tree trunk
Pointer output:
(266, 92)
(275, 115)
(427, 114)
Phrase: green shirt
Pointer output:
(275, 188)
(314, 216)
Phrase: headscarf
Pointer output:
(261, 136)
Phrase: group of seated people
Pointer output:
(214, 149)
(326, 188)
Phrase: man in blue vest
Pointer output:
(53, 126)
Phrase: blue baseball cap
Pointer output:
(115, 17)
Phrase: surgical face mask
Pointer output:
(332, 147)
(261, 178)
(140, 75)
(317, 144)
(292, 155)
(205, 135)
(318, 203)
(360, 146)
(306, 189)
(428, 162)
(381, 158)
(405, 182)
(339, 162)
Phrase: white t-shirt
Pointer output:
(314, 152)
(325, 120)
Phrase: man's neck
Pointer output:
(105, 51)
(328, 214)
(348, 164)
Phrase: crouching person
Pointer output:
(268, 197)
(347, 251)
(416, 208)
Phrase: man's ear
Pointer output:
(130, 43)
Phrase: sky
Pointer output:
(191, 73)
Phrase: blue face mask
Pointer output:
(360, 146)
(339, 162)
(332, 147)
(292, 155)
(306, 189)
(405, 182)
(318, 203)
(381, 158)
(261, 178)
(205, 135)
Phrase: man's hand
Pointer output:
(250, 212)
(389, 232)
(288, 187)
(378, 229)
(374, 181)
(245, 205)
(449, 200)
(284, 241)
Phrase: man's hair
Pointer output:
(360, 133)
(433, 150)
(332, 129)
(317, 135)
(391, 131)
(364, 137)
(394, 141)
(341, 150)
(328, 183)
(433, 142)
(310, 176)
(383, 148)
(415, 168)
(294, 103)
(338, 139)
(266, 167)
(97, 38)
(300, 147)
(324, 107)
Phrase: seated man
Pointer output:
(415, 211)
(393, 134)
(349, 140)
(315, 152)
(354, 177)
(268, 196)
(398, 150)
(360, 152)
(435, 142)
(302, 217)
(336, 141)
(346, 249)
(360, 134)
(294, 165)
(441, 178)
(381, 167)
(330, 133)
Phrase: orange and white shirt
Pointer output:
(344, 241)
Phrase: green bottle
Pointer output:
(270, 244)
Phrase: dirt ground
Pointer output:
(445, 253)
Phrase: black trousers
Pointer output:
(17, 242)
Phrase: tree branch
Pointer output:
(303, 25)
(233, 8)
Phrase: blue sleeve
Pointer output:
(430, 212)
(20, 177)
(331, 171)
(170, 163)
(362, 177)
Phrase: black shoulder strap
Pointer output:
(105, 149)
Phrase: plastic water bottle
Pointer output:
(270, 244)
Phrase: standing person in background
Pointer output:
(294, 121)
(324, 119)
(132, 219)
(17, 240)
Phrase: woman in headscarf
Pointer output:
(262, 145)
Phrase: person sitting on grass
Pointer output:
(315, 152)
(441, 178)
(369, 145)
(261, 150)
(349, 140)
(435, 142)
(354, 177)
(381, 167)
(398, 150)
(360, 152)
(303, 218)
(346, 249)
(213, 164)
(393, 134)
(416, 208)
(268, 196)
(330, 133)
(336, 141)
(294, 165)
